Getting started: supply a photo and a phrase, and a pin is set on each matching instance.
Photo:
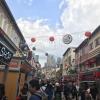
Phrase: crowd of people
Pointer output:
(48, 90)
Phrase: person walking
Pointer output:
(49, 90)
(34, 89)
(67, 91)
(57, 92)
(74, 92)
(82, 93)
(94, 91)
(2, 92)
(24, 92)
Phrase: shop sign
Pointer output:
(5, 54)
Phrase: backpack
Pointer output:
(42, 95)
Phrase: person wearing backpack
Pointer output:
(36, 93)
(34, 89)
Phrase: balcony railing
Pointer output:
(88, 56)
(94, 52)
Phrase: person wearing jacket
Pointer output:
(34, 89)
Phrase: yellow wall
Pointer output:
(11, 85)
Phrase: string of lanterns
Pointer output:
(66, 38)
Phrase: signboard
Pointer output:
(5, 54)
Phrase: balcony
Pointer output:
(95, 52)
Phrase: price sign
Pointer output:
(5, 54)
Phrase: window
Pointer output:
(91, 46)
(97, 42)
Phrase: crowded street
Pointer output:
(49, 50)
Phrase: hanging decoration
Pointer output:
(67, 39)
(33, 39)
(88, 34)
(34, 48)
(51, 38)
(46, 54)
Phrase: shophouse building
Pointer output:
(14, 66)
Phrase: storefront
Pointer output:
(90, 77)
(18, 70)
(5, 57)
(7, 50)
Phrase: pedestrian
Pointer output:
(67, 91)
(24, 92)
(74, 92)
(34, 88)
(2, 92)
(57, 92)
(82, 92)
(49, 90)
(36, 93)
(88, 94)
(94, 91)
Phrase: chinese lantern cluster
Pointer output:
(51, 39)
(67, 39)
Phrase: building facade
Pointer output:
(13, 64)
(87, 59)
(68, 59)
(88, 52)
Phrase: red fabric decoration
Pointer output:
(51, 38)
(88, 34)
(33, 39)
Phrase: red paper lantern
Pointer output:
(88, 34)
(51, 38)
(33, 39)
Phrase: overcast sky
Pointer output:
(44, 18)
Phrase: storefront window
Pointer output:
(97, 42)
